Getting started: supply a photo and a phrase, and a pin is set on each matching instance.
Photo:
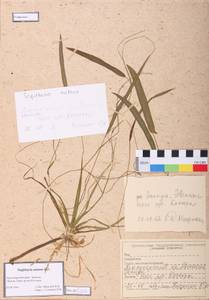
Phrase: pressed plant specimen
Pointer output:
(94, 182)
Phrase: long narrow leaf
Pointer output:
(139, 120)
(115, 114)
(98, 60)
(91, 228)
(88, 206)
(62, 63)
(153, 97)
(77, 198)
(161, 94)
(138, 74)
(120, 105)
(58, 208)
(142, 99)
(12, 260)
(62, 207)
(132, 130)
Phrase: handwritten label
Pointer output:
(33, 279)
(164, 268)
(61, 112)
(166, 203)
(25, 16)
(78, 290)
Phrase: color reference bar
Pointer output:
(172, 160)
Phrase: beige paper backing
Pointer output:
(29, 60)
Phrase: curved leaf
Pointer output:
(98, 60)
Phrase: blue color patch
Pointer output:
(157, 168)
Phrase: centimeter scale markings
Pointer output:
(172, 160)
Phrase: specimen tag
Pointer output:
(165, 203)
(61, 112)
(78, 290)
(25, 16)
(33, 279)
(162, 269)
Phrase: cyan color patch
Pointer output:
(157, 168)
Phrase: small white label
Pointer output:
(78, 290)
(33, 279)
(25, 16)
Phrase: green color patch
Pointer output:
(171, 168)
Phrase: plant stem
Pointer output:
(12, 260)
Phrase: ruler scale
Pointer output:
(176, 160)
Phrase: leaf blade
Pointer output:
(132, 130)
(142, 99)
(161, 94)
(77, 198)
(62, 63)
(139, 120)
(97, 60)
(120, 105)
(115, 114)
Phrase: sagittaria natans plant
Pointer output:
(92, 187)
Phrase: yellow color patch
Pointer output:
(185, 168)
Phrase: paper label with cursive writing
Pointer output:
(164, 268)
(61, 112)
(165, 203)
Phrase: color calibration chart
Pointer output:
(172, 160)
